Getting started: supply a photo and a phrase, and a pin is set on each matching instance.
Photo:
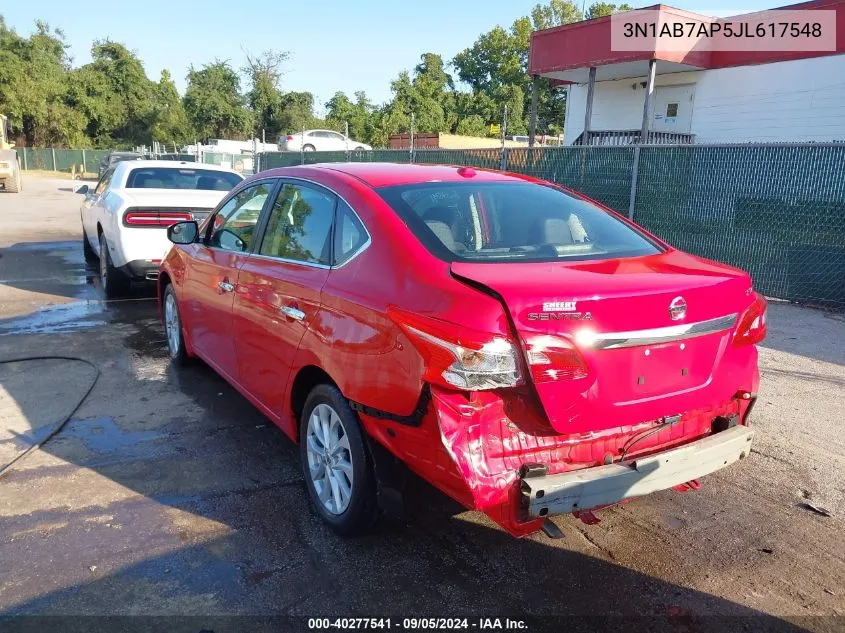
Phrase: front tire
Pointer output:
(14, 184)
(114, 282)
(173, 328)
(337, 467)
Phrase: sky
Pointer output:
(333, 44)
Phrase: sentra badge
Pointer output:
(559, 311)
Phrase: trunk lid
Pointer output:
(641, 364)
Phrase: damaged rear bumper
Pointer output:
(547, 495)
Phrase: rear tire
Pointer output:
(173, 328)
(114, 282)
(308, 148)
(338, 469)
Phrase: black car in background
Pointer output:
(115, 157)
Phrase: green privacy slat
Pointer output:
(776, 211)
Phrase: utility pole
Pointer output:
(411, 140)
(504, 126)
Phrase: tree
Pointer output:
(296, 112)
(214, 103)
(472, 125)
(169, 121)
(341, 111)
(555, 13)
(115, 95)
(601, 9)
(264, 96)
(33, 84)
(496, 66)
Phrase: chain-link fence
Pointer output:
(777, 211)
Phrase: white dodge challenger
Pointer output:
(125, 216)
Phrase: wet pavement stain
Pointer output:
(57, 318)
(59, 269)
(104, 435)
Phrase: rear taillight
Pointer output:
(156, 218)
(289, 137)
(459, 357)
(752, 326)
(553, 358)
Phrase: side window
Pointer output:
(233, 226)
(300, 225)
(104, 183)
(349, 236)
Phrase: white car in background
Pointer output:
(126, 215)
(320, 141)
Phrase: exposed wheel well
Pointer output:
(308, 377)
(163, 282)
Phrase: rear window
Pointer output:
(489, 221)
(178, 178)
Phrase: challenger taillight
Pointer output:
(460, 357)
(153, 217)
(289, 137)
(752, 326)
(553, 358)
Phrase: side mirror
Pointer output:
(183, 232)
(83, 189)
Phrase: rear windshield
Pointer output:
(490, 221)
(179, 178)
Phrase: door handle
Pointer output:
(292, 313)
(225, 286)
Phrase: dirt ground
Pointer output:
(168, 493)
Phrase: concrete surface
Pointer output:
(169, 494)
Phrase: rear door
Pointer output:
(279, 289)
(212, 279)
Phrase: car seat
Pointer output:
(447, 224)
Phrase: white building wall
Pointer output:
(801, 100)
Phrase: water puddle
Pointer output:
(103, 435)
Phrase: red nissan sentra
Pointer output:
(519, 346)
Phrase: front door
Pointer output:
(212, 279)
(673, 108)
(279, 290)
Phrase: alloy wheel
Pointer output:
(329, 459)
(171, 324)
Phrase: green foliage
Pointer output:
(33, 83)
(600, 9)
(170, 123)
(296, 113)
(215, 105)
(472, 125)
(359, 115)
(496, 69)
